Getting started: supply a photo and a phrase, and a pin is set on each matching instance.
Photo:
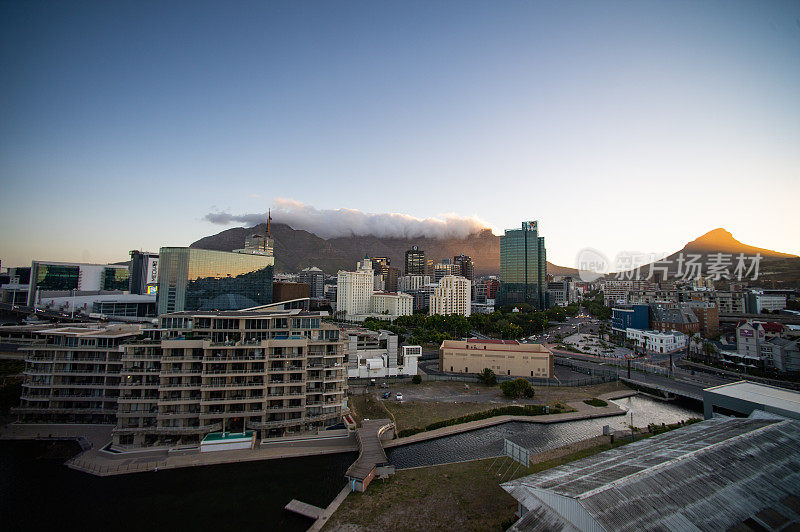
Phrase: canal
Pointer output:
(538, 437)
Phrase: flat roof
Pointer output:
(761, 394)
(491, 341)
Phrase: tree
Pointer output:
(488, 377)
(517, 388)
(416, 379)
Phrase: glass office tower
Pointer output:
(415, 261)
(523, 267)
(203, 279)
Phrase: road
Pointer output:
(682, 380)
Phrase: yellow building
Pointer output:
(504, 357)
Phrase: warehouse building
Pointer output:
(720, 474)
(504, 357)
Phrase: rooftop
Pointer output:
(712, 475)
(761, 394)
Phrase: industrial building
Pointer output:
(720, 474)
(504, 357)
(376, 354)
(743, 398)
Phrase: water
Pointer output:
(37, 490)
(488, 442)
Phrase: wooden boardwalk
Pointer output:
(371, 453)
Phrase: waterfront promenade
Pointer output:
(582, 411)
(103, 463)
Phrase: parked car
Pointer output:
(399, 396)
(386, 395)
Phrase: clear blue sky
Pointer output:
(618, 125)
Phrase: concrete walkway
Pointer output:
(582, 411)
(104, 463)
(328, 512)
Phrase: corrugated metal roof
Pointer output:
(707, 476)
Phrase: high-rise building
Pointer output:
(465, 264)
(143, 272)
(284, 291)
(409, 283)
(315, 279)
(278, 373)
(415, 261)
(380, 264)
(452, 296)
(354, 289)
(523, 266)
(203, 279)
(445, 268)
(260, 244)
(391, 276)
(357, 299)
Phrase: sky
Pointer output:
(617, 125)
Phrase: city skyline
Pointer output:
(126, 126)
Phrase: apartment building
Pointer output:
(279, 373)
(72, 374)
(452, 296)
(354, 289)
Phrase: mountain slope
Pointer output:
(775, 269)
(721, 241)
(297, 249)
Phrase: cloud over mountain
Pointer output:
(331, 223)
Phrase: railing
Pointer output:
(173, 415)
(123, 399)
(226, 358)
(275, 424)
(245, 399)
(233, 371)
(240, 385)
(55, 410)
(323, 416)
(179, 400)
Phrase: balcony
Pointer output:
(214, 427)
(275, 424)
(322, 417)
(224, 372)
(55, 410)
(242, 399)
(228, 386)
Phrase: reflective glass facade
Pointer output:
(116, 279)
(523, 266)
(56, 276)
(201, 279)
(415, 261)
